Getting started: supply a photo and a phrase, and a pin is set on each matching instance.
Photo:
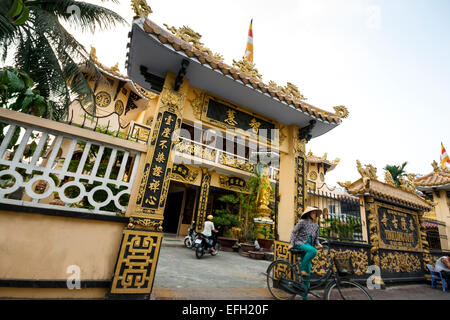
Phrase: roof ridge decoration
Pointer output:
(247, 67)
(388, 178)
(439, 176)
(141, 8)
(369, 184)
(368, 173)
(311, 157)
(289, 89)
(345, 184)
(188, 35)
(408, 185)
(193, 48)
(114, 71)
(341, 111)
(439, 169)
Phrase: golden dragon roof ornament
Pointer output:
(368, 173)
(388, 179)
(408, 185)
(289, 90)
(292, 89)
(341, 111)
(345, 184)
(438, 169)
(187, 34)
(141, 8)
(247, 67)
(93, 56)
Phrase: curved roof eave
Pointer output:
(159, 58)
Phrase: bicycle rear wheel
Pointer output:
(277, 271)
(348, 290)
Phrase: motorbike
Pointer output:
(190, 238)
(203, 245)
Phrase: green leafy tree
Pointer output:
(42, 47)
(248, 203)
(397, 171)
(227, 217)
(17, 93)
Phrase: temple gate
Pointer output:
(396, 239)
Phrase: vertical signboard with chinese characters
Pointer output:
(138, 256)
(150, 197)
(203, 201)
(299, 176)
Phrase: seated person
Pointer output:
(208, 230)
(443, 266)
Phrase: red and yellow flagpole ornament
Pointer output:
(249, 49)
(445, 160)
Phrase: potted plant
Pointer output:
(267, 241)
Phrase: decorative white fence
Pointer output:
(62, 167)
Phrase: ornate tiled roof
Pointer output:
(388, 192)
(438, 177)
(197, 52)
(369, 184)
(311, 158)
(115, 73)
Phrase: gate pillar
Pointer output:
(203, 200)
(141, 239)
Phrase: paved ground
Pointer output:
(229, 276)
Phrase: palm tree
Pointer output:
(43, 48)
(397, 171)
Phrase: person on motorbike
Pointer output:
(208, 230)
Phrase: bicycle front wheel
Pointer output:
(347, 290)
(277, 271)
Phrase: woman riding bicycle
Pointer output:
(303, 237)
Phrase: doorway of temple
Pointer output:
(180, 208)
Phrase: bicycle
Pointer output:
(284, 283)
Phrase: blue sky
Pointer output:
(387, 61)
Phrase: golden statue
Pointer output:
(263, 198)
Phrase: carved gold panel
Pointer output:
(136, 265)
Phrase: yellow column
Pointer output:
(141, 239)
(292, 184)
(443, 214)
(362, 214)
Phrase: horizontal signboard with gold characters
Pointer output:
(399, 228)
(228, 116)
